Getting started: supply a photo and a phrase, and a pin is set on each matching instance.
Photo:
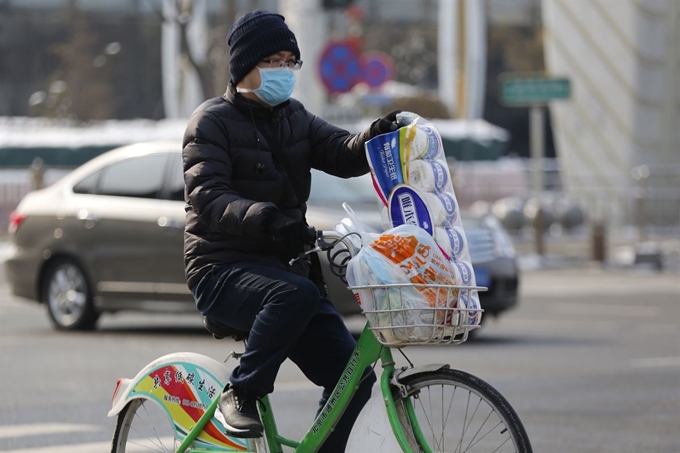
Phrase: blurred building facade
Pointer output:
(88, 59)
(618, 137)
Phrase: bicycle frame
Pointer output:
(366, 353)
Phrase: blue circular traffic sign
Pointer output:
(377, 68)
(340, 67)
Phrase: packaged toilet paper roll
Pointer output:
(465, 272)
(452, 241)
(420, 142)
(470, 300)
(443, 208)
(427, 175)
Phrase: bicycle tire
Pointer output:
(143, 424)
(154, 441)
(486, 422)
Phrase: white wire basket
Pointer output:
(404, 314)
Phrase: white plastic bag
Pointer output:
(404, 255)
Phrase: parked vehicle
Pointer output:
(108, 237)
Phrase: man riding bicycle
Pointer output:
(247, 159)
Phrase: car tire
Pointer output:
(67, 294)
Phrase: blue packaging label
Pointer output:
(464, 300)
(434, 144)
(449, 204)
(465, 271)
(441, 178)
(471, 303)
(407, 207)
(456, 240)
(383, 156)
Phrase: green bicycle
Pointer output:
(170, 405)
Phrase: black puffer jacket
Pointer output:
(232, 152)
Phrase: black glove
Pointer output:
(387, 123)
(289, 234)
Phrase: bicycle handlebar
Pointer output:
(322, 241)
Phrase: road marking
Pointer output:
(609, 310)
(655, 362)
(44, 428)
(96, 447)
(82, 448)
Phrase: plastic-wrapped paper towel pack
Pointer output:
(413, 183)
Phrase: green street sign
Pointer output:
(533, 89)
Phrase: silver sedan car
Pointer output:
(109, 237)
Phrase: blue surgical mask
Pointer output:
(276, 87)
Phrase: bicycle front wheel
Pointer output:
(450, 411)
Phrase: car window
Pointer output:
(140, 177)
(87, 185)
(176, 179)
(328, 188)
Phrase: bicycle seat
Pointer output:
(220, 331)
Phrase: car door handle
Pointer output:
(87, 216)
(164, 222)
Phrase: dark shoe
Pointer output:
(237, 411)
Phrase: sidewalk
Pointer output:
(576, 252)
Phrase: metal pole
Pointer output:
(308, 20)
(536, 121)
(447, 50)
(37, 173)
(170, 60)
(475, 57)
(669, 109)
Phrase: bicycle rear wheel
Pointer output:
(450, 411)
(143, 426)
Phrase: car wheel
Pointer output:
(68, 297)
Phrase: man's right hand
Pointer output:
(289, 234)
(385, 124)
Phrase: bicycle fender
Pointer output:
(184, 384)
(418, 370)
(129, 388)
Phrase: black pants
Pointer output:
(287, 318)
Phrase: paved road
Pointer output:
(591, 361)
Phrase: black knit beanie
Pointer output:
(254, 36)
